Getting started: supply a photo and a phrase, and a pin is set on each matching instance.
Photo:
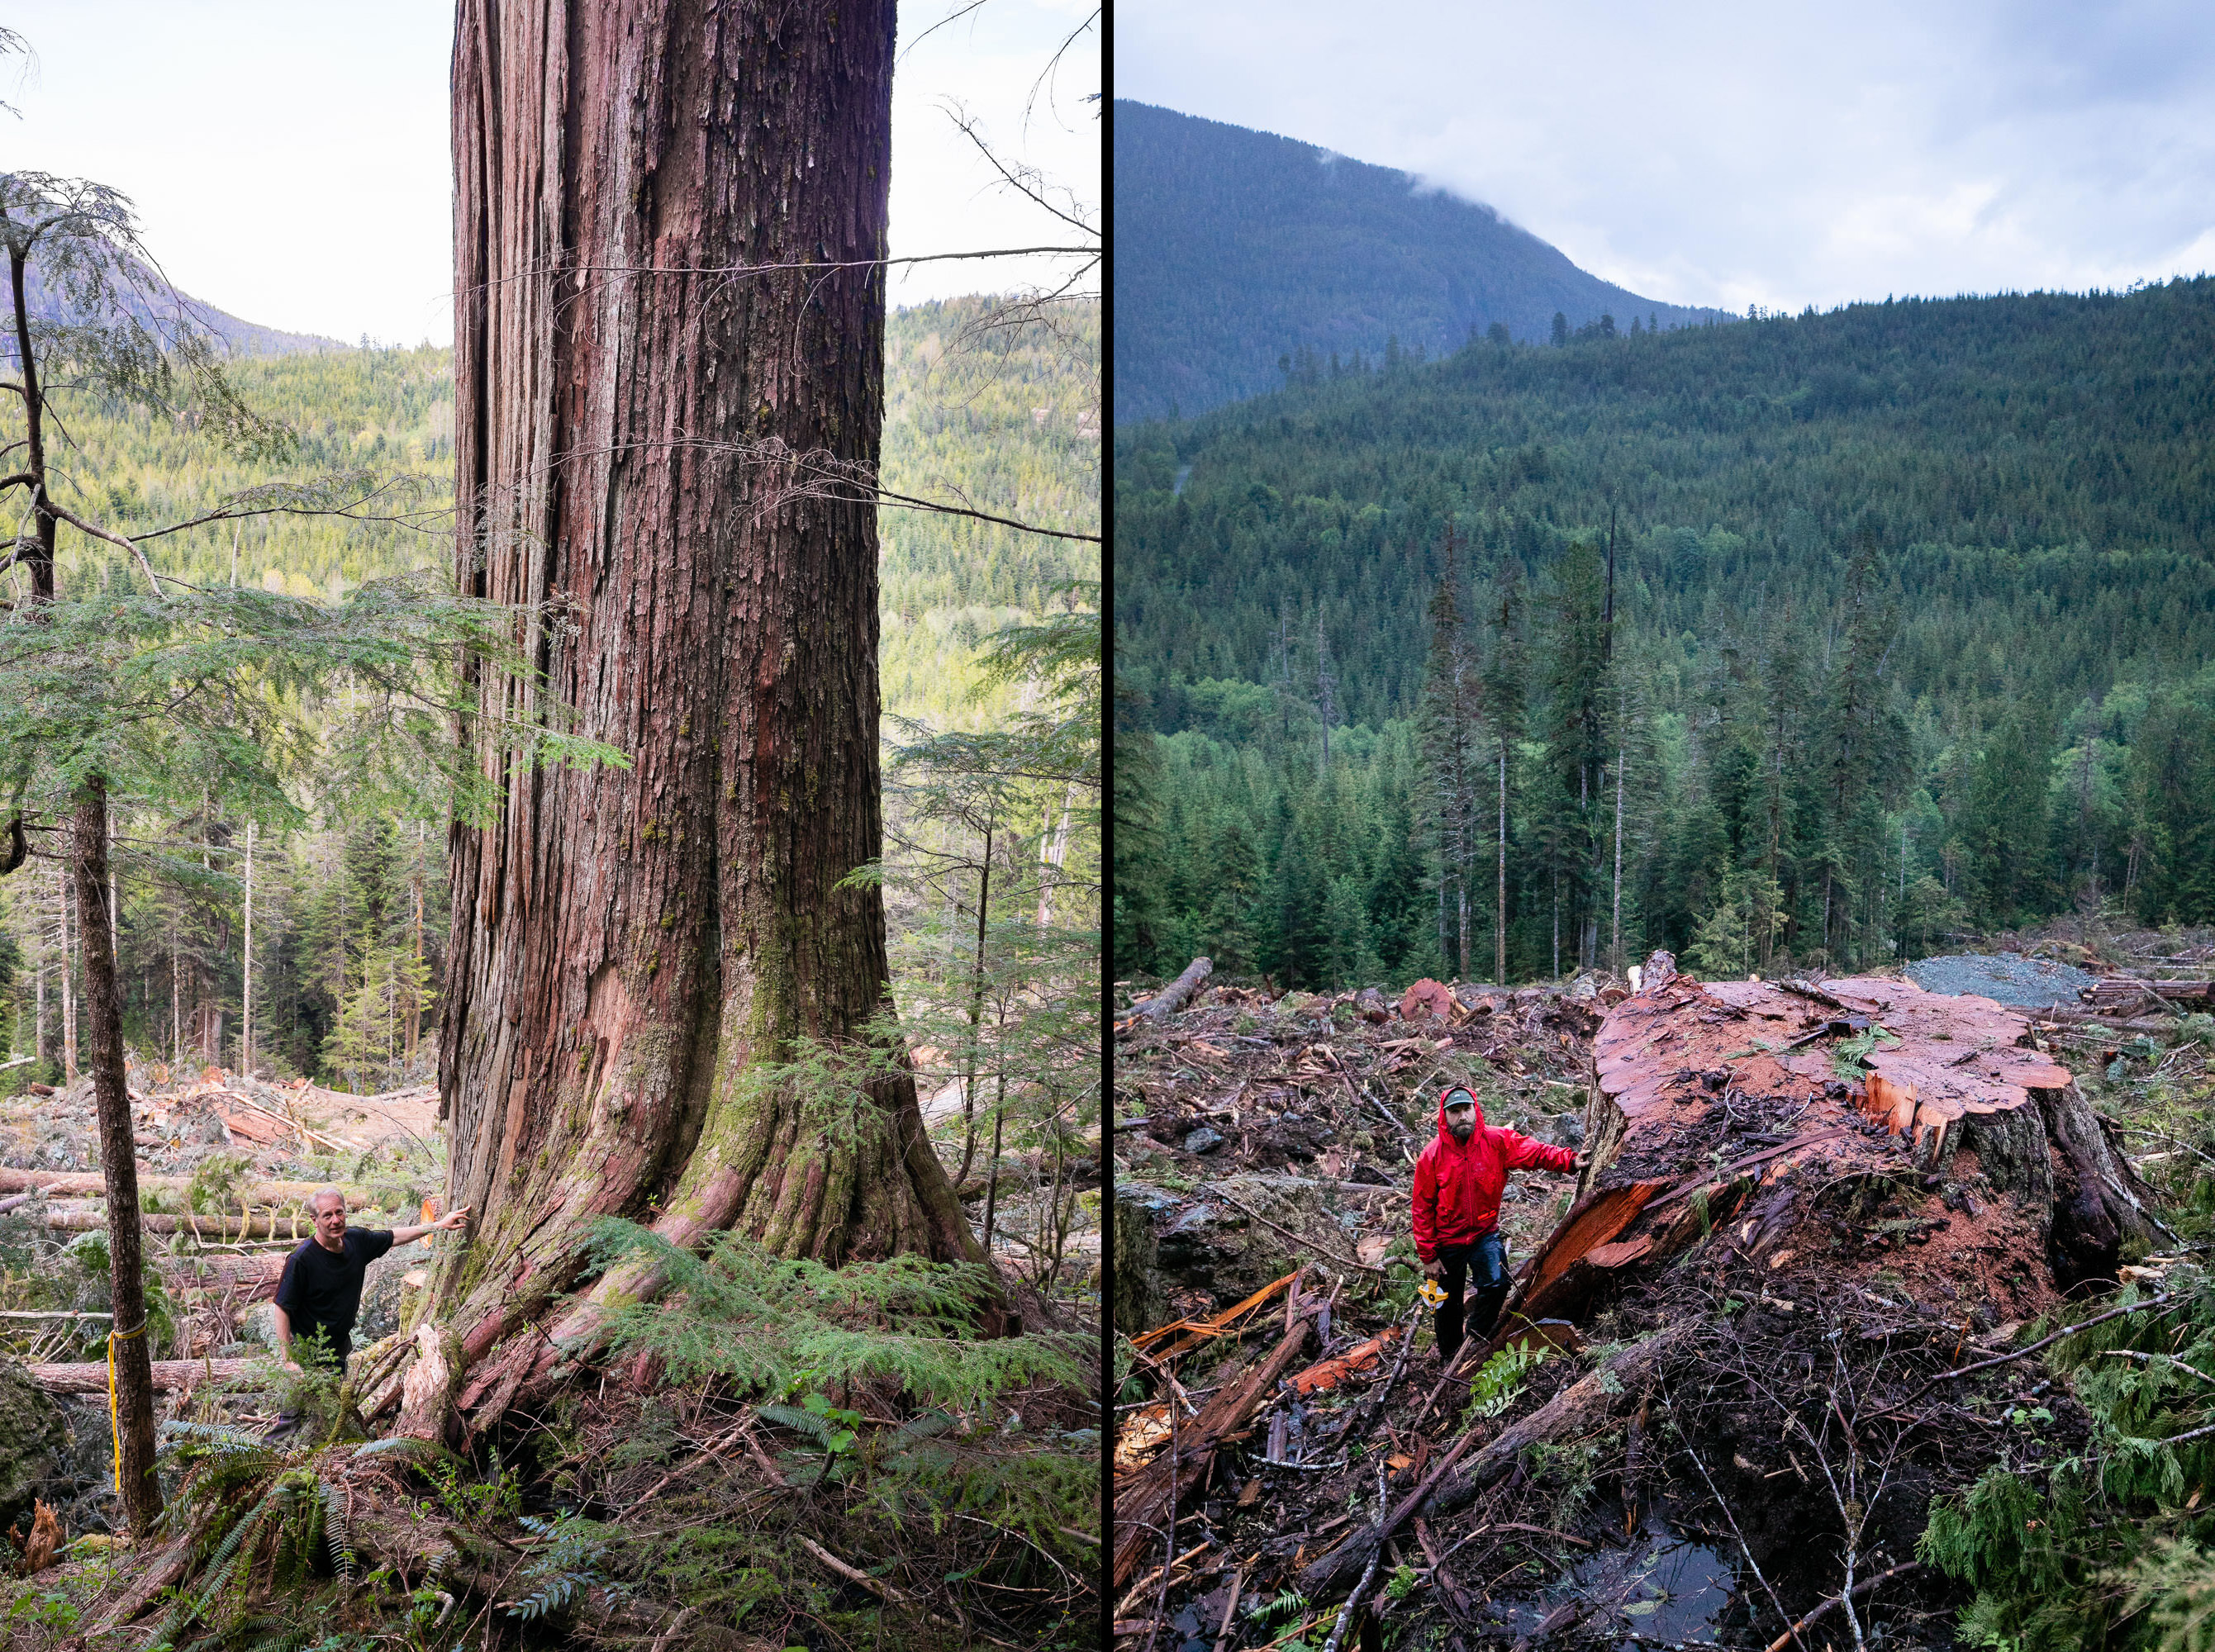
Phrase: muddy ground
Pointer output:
(1708, 1501)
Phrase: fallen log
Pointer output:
(295, 1224)
(1576, 1409)
(167, 1567)
(1143, 1500)
(78, 1184)
(171, 1376)
(2114, 992)
(2069, 1018)
(1172, 997)
(251, 1277)
(1425, 999)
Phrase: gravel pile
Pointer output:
(2003, 977)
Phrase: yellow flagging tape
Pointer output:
(114, 1418)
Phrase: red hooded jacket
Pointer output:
(1458, 1186)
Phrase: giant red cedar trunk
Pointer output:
(630, 947)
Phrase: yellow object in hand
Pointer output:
(1430, 1293)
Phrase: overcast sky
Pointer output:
(290, 161)
(1734, 153)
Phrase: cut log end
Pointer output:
(1174, 996)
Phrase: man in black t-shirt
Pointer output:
(322, 1286)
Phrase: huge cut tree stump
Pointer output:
(1853, 1140)
(1790, 1115)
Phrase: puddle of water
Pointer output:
(1187, 1623)
(1667, 1587)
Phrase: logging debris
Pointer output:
(1813, 1206)
(220, 1206)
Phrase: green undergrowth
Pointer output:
(770, 1326)
(957, 1498)
(855, 1410)
(2111, 1545)
(968, 1536)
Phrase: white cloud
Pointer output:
(945, 196)
(1739, 153)
(291, 162)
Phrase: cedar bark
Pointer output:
(628, 947)
(134, 1386)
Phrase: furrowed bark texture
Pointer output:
(629, 946)
(134, 1385)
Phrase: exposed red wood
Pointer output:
(1142, 1499)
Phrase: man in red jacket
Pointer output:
(1458, 1180)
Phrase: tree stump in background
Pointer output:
(1139, 1304)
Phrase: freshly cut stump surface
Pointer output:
(1768, 1113)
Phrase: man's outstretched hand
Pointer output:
(1584, 1161)
(452, 1222)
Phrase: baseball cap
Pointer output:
(1458, 1097)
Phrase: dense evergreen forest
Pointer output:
(1239, 251)
(350, 918)
(1815, 639)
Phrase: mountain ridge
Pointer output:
(1238, 249)
(241, 338)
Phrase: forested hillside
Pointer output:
(350, 918)
(1909, 629)
(1243, 256)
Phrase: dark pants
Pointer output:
(1481, 1267)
